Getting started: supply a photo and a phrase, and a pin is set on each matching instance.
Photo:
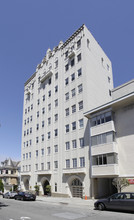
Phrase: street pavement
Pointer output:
(89, 203)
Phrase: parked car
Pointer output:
(120, 201)
(25, 196)
(9, 195)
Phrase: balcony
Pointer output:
(104, 148)
(43, 172)
(107, 170)
(26, 173)
(71, 53)
(78, 170)
(9, 175)
(46, 75)
(102, 128)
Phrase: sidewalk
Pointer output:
(67, 201)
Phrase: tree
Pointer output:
(1, 186)
(37, 189)
(120, 183)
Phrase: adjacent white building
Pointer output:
(73, 78)
(112, 141)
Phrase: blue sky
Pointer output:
(29, 27)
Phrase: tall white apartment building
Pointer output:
(112, 141)
(74, 77)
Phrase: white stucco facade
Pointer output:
(73, 78)
(112, 141)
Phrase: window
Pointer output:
(56, 63)
(88, 42)
(48, 165)
(56, 132)
(56, 164)
(81, 142)
(74, 144)
(78, 43)
(24, 133)
(30, 130)
(36, 153)
(66, 81)
(27, 143)
(42, 124)
(67, 163)
(56, 102)
(67, 96)
(28, 109)
(31, 118)
(42, 166)
(72, 62)
(56, 88)
(27, 131)
(49, 81)
(81, 123)
(23, 156)
(43, 98)
(25, 111)
(66, 67)
(48, 150)
(79, 72)
(30, 142)
(102, 118)
(74, 125)
(24, 122)
(73, 77)
(37, 140)
(67, 128)
(74, 162)
(49, 121)
(73, 92)
(37, 114)
(73, 108)
(110, 158)
(31, 106)
(49, 93)
(42, 152)
(29, 155)
(43, 111)
(66, 54)
(49, 135)
(56, 75)
(55, 148)
(42, 137)
(37, 126)
(36, 166)
(82, 161)
(49, 107)
(55, 187)
(67, 111)
(38, 102)
(110, 92)
(67, 145)
(81, 105)
(107, 137)
(56, 117)
(27, 120)
(79, 57)
(80, 88)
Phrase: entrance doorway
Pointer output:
(77, 188)
(26, 184)
(46, 183)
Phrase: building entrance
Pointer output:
(77, 188)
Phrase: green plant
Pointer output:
(37, 189)
(48, 188)
(120, 183)
(1, 186)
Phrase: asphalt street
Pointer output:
(42, 210)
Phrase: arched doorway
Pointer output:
(46, 183)
(77, 188)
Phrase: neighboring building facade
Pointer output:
(112, 141)
(10, 174)
(73, 78)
